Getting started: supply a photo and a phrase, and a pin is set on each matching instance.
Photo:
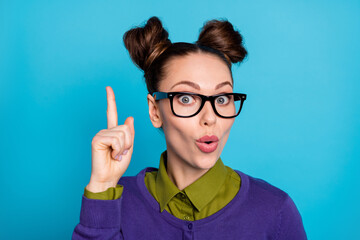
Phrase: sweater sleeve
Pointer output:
(99, 219)
(290, 222)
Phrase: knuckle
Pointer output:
(114, 139)
(95, 139)
(102, 131)
(121, 134)
(116, 142)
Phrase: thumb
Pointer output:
(130, 122)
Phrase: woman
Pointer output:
(192, 195)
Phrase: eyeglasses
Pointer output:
(185, 104)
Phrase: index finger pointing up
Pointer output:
(112, 118)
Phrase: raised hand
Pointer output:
(111, 149)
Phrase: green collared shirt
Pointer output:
(207, 195)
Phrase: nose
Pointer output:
(208, 116)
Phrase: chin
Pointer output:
(205, 163)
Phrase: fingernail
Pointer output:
(117, 156)
(120, 157)
(125, 152)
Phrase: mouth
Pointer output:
(207, 144)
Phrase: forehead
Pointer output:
(205, 70)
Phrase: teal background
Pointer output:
(299, 128)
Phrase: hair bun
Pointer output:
(220, 35)
(146, 43)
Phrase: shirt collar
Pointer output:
(200, 192)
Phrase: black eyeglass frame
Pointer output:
(237, 97)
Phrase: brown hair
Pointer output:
(150, 48)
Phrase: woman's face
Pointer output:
(205, 74)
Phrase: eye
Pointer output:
(222, 100)
(186, 99)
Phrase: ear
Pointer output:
(154, 112)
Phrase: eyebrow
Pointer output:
(196, 86)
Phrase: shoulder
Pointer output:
(270, 195)
(258, 188)
(266, 198)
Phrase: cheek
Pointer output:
(179, 127)
(180, 133)
(227, 124)
(170, 122)
(175, 126)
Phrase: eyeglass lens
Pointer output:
(187, 105)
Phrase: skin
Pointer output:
(186, 163)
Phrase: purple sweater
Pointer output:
(258, 211)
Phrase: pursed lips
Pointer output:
(208, 139)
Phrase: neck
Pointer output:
(180, 172)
